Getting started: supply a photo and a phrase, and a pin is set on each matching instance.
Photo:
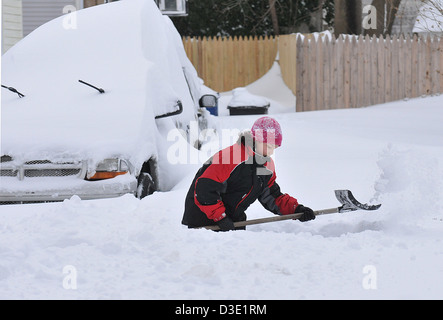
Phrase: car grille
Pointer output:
(40, 168)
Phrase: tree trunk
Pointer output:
(348, 17)
(317, 18)
(380, 12)
(274, 17)
(392, 9)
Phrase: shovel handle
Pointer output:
(293, 216)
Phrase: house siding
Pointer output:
(12, 30)
(38, 12)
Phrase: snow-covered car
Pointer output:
(95, 94)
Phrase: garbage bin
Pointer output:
(245, 110)
(244, 103)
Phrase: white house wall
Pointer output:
(12, 30)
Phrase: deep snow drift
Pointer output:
(126, 248)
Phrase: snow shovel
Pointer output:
(345, 197)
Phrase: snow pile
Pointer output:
(411, 182)
(242, 98)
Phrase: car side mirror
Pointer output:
(208, 101)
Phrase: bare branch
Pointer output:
(430, 17)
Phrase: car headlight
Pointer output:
(109, 168)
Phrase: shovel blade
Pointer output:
(349, 203)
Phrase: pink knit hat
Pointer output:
(267, 130)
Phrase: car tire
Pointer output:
(146, 185)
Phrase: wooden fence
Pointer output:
(324, 73)
(355, 72)
(287, 46)
(225, 63)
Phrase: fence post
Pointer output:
(362, 78)
(428, 66)
(319, 97)
(374, 70)
(408, 67)
(395, 54)
(334, 73)
(299, 84)
(440, 64)
(306, 79)
(435, 69)
(367, 81)
(326, 81)
(388, 69)
(440, 69)
(354, 73)
(347, 73)
(339, 59)
(414, 71)
(401, 67)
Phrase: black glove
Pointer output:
(308, 213)
(226, 224)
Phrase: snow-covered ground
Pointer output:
(125, 248)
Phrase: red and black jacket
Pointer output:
(229, 182)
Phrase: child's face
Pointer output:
(265, 149)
